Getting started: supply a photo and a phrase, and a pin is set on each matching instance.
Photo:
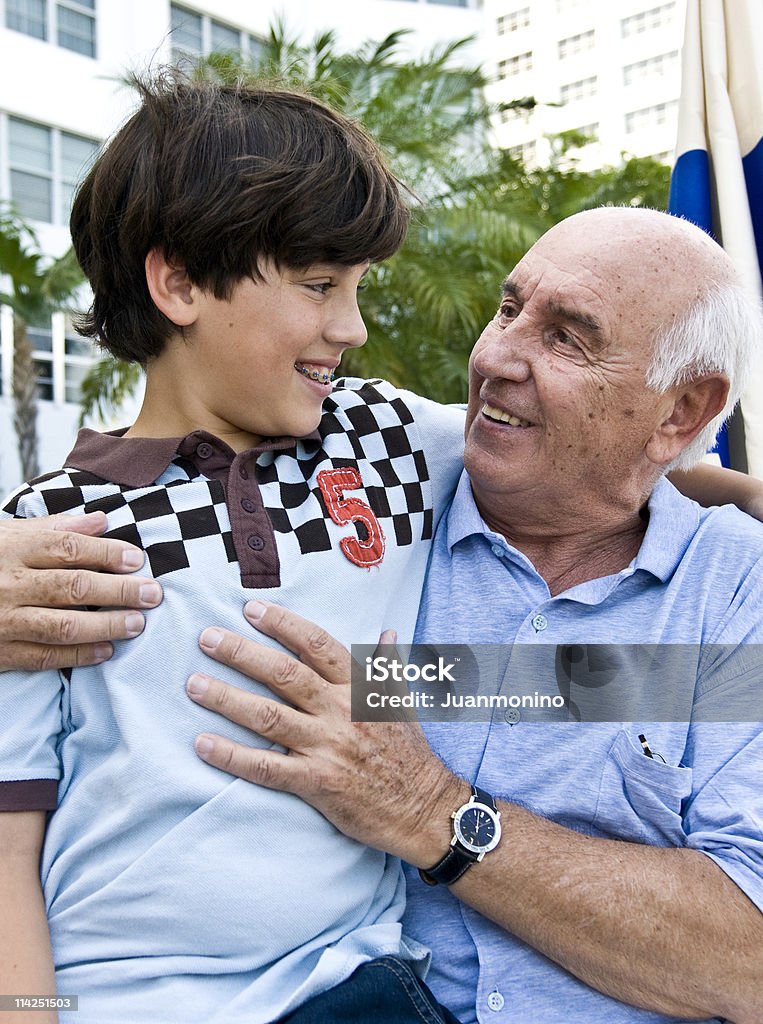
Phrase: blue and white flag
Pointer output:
(717, 180)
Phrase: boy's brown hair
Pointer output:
(219, 177)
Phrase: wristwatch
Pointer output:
(476, 831)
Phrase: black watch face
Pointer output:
(478, 828)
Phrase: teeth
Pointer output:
(504, 417)
(319, 373)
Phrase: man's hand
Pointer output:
(49, 567)
(378, 782)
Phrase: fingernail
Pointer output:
(204, 745)
(197, 685)
(254, 610)
(102, 652)
(150, 594)
(133, 558)
(389, 636)
(211, 638)
(134, 624)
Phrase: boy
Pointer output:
(225, 232)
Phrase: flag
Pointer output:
(717, 180)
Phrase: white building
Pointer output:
(61, 64)
(609, 68)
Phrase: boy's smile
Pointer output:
(257, 365)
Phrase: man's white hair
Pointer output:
(718, 333)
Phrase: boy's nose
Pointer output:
(348, 328)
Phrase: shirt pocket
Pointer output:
(640, 798)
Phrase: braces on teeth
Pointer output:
(324, 377)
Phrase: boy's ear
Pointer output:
(172, 292)
(694, 405)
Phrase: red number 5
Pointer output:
(333, 483)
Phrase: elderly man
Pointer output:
(623, 887)
(621, 881)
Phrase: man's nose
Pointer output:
(504, 354)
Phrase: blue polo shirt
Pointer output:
(697, 579)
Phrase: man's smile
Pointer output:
(500, 416)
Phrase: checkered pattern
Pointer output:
(171, 523)
(362, 428)
(176, 524)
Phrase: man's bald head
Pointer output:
(656, 259)
(678, 288)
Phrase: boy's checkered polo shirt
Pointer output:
(175, 892)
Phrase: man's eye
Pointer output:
(506, 313)
(563, 339)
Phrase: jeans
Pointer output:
(382, 991)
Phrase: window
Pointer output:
(45, 166)
(573, 45)
(518, 111)
(582, 90)
(41, 338)
(79, 356)
(513, 21)
(27, 16)
(71, 23)
(524, 152)
(76, 26)
(515, 65)
(650, 117)
(653, 67)
(196, 35)
(62, 357)
(647, 21)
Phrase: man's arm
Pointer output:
(49, 567)
(26, 960)
(710, 485)
(664, 929)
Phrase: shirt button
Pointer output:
(204, 450)
(512, 716)
(497, 550)
(496, 1001)
(243, 473)
(255, 542)
(248, 505)
(539, 623)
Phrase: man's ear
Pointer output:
(694, 405)
(172, 292)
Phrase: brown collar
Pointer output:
(139, 461)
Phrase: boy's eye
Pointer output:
(322, 287)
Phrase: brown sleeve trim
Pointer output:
(29, 795)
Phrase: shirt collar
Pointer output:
(673, 521)
(464, 518)
(140, 461)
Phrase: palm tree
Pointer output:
(38, 287)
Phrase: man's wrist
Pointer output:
(476, 828)
(434, 829)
